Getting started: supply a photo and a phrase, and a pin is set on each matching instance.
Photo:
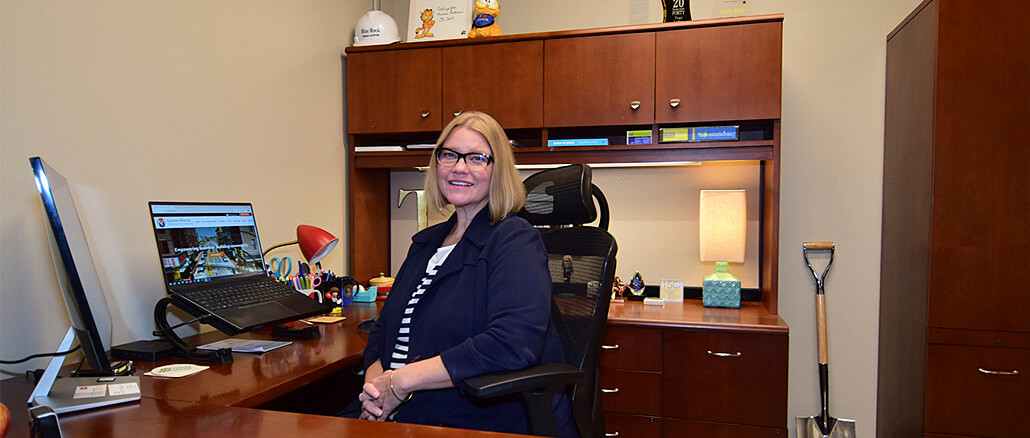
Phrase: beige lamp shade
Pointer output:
(723, 225)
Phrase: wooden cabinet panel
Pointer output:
(632, 426)
(963, 400)
(631, 392)
(725, 377)
(632, 348)
(592, 80)
(390, 91)
(504, 80)
(702, 429)
(719, 73)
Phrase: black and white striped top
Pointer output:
(400, 350)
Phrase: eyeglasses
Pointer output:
(474, 160)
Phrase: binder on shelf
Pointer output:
(699, 134)
(378, 148)
(578, 142)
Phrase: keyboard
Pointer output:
(240, 294)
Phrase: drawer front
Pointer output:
(632, 348)
(963, 400)
(632, 426)
(725, 377)
(631, 392)
(702, 429)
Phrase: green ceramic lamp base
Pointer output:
(721, 289)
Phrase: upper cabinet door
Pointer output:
(393, 91)
(599, 80)
(502, 79)
(719, 73)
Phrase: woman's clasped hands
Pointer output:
(380, 399)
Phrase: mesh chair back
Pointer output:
(581, 260)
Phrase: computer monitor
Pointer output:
(87, 307)
(76, 273)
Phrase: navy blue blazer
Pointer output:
(488, 309)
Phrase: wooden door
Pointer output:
(504, 80)
(719, 73)
(599, 80)
(393, 91)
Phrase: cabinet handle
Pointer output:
(425, 114)
(737, 354)
(611, 434)
(1000, 373)
(674, 103)
(610, 347)
(457, 112)
(610, 391)
(634, 105)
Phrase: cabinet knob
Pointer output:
(457, 112)
(674, 103)
(610, 391)
(610, 347)
(611, 434)
(425, 114)
(737, 354)
(634, 105)
(995, 373)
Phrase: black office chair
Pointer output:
(582, 264)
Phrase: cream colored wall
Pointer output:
(193, 100)
(832, 138)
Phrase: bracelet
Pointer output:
(394, 391)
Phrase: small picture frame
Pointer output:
(672, 290)
(430, 20)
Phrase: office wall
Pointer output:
(131, 101)
(833, 109)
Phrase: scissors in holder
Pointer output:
(276, 268)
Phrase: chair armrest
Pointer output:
(511, 382)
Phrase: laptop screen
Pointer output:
(200, 242)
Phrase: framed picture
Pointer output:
(438, 20)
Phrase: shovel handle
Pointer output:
(820, 316)
(818, 246)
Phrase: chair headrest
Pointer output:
(559, 196)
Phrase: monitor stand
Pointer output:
(71, 394)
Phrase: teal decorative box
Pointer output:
(721, 289)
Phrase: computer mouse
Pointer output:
(367, 324)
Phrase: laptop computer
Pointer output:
(209, 253)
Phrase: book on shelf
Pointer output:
(699, 134)
(378, 148)
(578, 142)
(418, 146)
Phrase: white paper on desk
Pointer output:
(175, 370)
(246, 345)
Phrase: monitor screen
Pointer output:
(205, 242)
(76, 273)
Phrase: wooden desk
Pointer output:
(218, 401)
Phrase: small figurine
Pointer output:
(484, 21)
(636, 287)
(566, 267)
(619, 289)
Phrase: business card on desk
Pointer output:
(326, 319)
(176, 370)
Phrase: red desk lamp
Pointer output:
(315, 243)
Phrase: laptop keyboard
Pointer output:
(240, 294)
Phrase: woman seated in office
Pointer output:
(472, 297)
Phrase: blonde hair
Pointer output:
(507, 194)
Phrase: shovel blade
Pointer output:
(808, 427)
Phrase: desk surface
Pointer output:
(218, 400)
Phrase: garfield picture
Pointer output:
(427, 25)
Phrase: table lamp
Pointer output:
(723, 228)
(315, 243)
